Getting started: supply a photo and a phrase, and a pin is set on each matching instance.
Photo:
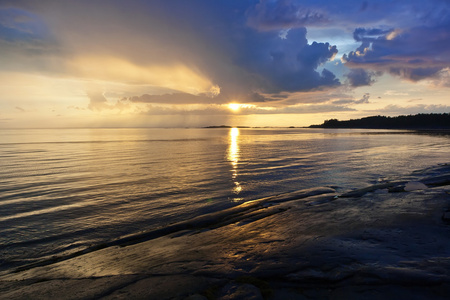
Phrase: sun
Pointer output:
(234, 106)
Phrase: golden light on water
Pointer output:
(233, 157)
(233, 150)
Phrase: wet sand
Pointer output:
(377, 242)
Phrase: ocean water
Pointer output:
(64, 190)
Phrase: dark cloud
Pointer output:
(21, 25)
(262, 64)
(361, 77)
(416, 74)
(284, 14)
(27, 43)
(369, 35)
(258, 98)
(363, 100)
(413, 53)
(311, 56)
(24, 31)
(288, 64)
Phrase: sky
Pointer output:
(177, 63)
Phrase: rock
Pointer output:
(446, 216)
(316, 200)
(370, 189)
(415, 185)
(240, 291)
(381, 191)
(397, 189)
(196, 297)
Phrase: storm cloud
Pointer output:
(414, 53)
(236, 58)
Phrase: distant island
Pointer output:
(419, 121)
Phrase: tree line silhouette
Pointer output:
(419, 121)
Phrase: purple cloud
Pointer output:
(284, 14)
(416, 53)
(361, 77)
(363, 100)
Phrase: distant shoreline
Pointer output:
(411, 122)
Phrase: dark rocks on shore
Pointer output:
(369, 243)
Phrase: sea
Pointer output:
(65, 190)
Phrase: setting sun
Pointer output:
(238, 106)
(234, 106)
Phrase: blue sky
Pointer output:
(182, 63)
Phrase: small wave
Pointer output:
(249, 211)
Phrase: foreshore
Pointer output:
(389, 240)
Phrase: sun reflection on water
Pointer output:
(233, 157)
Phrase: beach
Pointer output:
(309, 244)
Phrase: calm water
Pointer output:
(64, 190)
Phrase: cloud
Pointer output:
(369, 35)
(395, 93)
(19, 25)
(414, 53)
(311, 56)
(361, 77)
(174, 98)
(261, 99)
(393, 109)
(317, 108)
(288, 64)
(136, 44)
(363, 100)
(416, 73)
(271, 65)
(443, 78)
(285, 14)
(205, 98)
(27, 43)
(97, 101)
(315, 97)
